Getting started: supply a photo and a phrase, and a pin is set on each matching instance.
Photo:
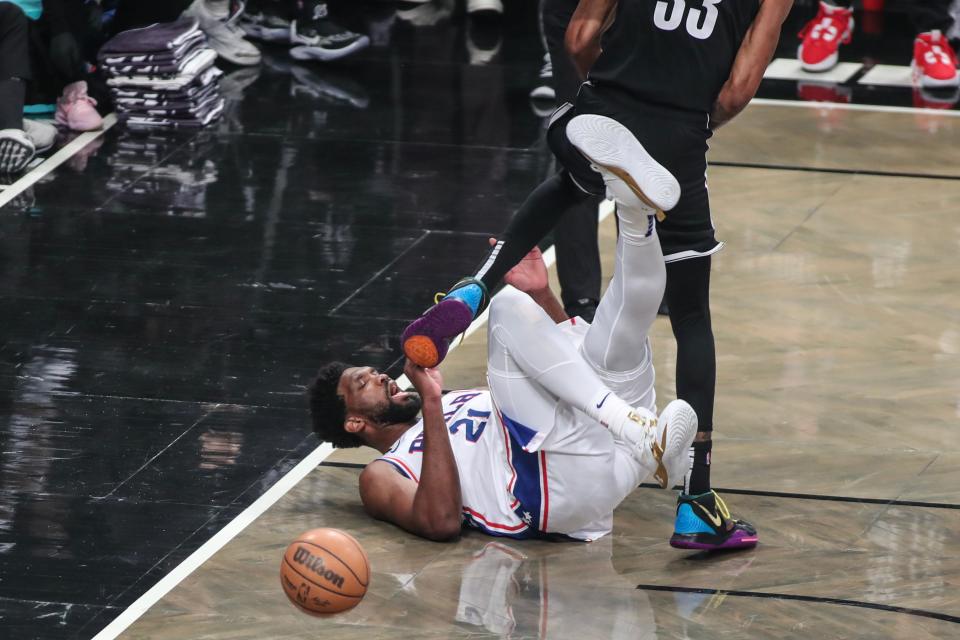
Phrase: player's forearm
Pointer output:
(549, 302)
(437, 505)
(582, 39)
(752, 59)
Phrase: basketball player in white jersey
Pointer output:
(558, 440)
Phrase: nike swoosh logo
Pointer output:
(604, 400)
(717, 521)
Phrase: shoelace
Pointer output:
(721, 505)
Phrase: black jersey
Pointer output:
(676, 53)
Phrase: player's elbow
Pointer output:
(734, 98)
(446, 530)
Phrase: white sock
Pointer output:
(636, 224)
(611, 411)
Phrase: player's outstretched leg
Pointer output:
(638, 184)
(426, 340)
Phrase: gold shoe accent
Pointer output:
(637, 191)
(657, 449)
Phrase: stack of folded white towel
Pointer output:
(163, 76)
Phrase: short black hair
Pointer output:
(327, 409)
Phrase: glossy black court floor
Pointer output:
(167, 297)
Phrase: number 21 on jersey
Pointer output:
(472, 428)
(677, 8)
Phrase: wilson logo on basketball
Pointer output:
(315, 564)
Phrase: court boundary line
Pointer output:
(837, 170)
(878, 108)
(63, 154)
(923, 613)
(280, 488)
(893, 502)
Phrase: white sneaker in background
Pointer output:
(42, 134)
(477, 6)
(223, 35)
(16, 151)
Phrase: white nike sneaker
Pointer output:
(42, 134)
(661, 444)
(16, 151)
(223, 34)
(633, 178)
(476, 6)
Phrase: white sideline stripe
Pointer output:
(30, 178)
(852, 107)
(214, 544)
(206, 551)
(791, 69)
(888, 75)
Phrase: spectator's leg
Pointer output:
(928, 15)
(14, 65)
(578, 255)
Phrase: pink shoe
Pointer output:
(75, 109)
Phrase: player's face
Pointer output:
(375, 396)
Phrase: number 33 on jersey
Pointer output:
(700, 22)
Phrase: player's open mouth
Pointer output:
(395, 394)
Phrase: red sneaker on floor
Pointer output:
(934, 61)
(823, 36)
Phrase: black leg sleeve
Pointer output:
(578, 254)
(688, 298)
(533, 220)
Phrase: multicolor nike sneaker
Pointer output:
(703, 522)
(426, 340)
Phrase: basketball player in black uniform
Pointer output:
(670, 72)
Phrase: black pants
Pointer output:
(14, 42)
(578, 256)
(677, 139)
(926, 15)
(14, 64)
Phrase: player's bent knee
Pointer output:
(509, 302)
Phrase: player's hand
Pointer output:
(530, 274)
(428, 382)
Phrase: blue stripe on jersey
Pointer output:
(527, 465)
(520, 432)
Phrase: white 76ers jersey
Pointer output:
(503, 487)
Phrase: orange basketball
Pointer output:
(325, 571)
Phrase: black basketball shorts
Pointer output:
(676, 139)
